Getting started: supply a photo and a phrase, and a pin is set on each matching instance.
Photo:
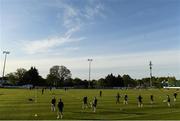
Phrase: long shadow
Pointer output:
(136, 113)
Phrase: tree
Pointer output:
(128, 81)
(20, 72)
(32, 76)
(12, 78)
(58, 74)
(17, 77)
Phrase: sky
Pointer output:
(121, 36)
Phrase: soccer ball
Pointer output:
(35, 115)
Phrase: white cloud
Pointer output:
(45, 45)
(73, 19)
(93, 11)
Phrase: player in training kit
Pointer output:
(94, 104)
(152, 99)
(85, 102)
(168, 101)
(175, 96)
(117, 98)
(60, 107)
(125, 99)
(100, 93)
(53, 104)
(42, 91)
(140, 104)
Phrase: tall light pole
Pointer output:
(150, 67)
(90, 60)
(4, 52)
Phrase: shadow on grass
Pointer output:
(135, 113)
(110, 112)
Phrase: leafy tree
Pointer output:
(12, 78)
(58, 74)
(172, 81)
(128, 81)
(32, 76)
(17, 77)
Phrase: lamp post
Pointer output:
(150, 67)
(6, 53)
(90, 60)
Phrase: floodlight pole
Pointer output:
(150, 67)
(6, 53)
(90, 60)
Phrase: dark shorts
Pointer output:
(94, 105)
(61, 110)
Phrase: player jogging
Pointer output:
(152, 99)
(140, 104)
(168, 101)
(100, 93)
(125, 99)
(53, 104)
(85, 102)
(117, 98)
(42, 91)
(94, 104)
(60, 107)
(175, 96)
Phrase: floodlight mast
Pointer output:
(90, 60)
(5, 58)
(150, 67)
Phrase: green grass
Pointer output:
(14, 104)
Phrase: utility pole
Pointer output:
(90, 60)
(6, 53)
(150, 67)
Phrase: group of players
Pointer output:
(60, 106)
(93, 104)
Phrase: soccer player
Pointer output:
(42, 91)
(140, 104)
(117, 98)
(53, 104)
(175, 96)
(94, 104)
(60, 107)
(168, 101)
(125, 99)
(85, 102)
(152, 99)
(100, 93)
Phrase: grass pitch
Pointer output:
(14, 104)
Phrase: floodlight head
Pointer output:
(90, 59)
(6, 52)
(150, 63)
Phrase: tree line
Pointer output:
(60, 76)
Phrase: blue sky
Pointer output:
(121, 36)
